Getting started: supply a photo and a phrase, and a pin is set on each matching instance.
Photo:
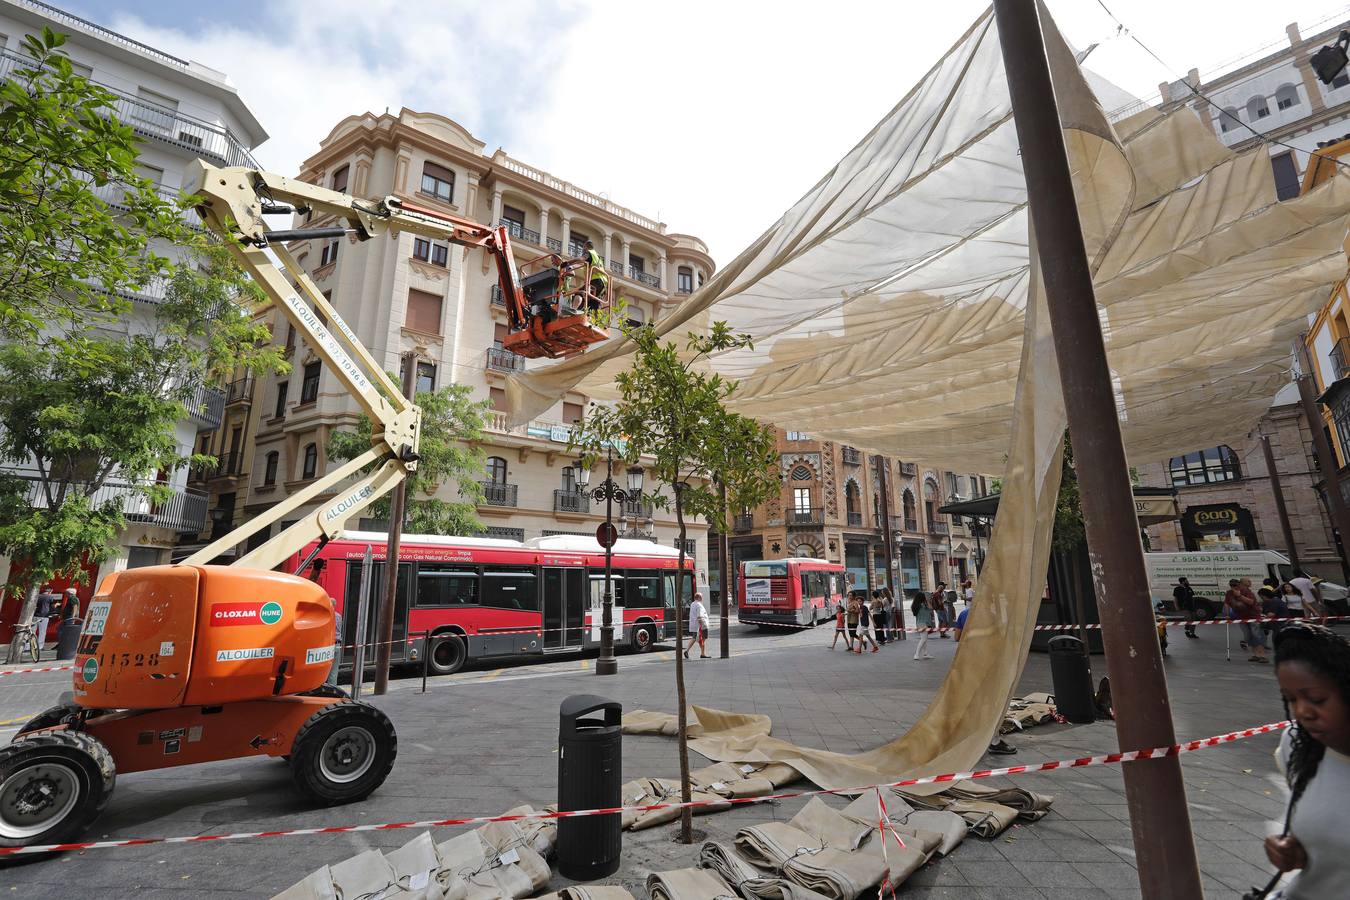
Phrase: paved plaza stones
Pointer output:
(482, 741)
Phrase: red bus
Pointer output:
(485, 598)
(794, 591)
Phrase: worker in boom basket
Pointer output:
(598, 277)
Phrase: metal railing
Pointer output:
(642, 277)
(577, 193)
(153, 291)
(911, 524)
(184, 511)
(239, 390)
(518, 231)
(497, 298)
(806, 517)
(576, 248)
(855, 519)
(636, 509)
(207, 406)
(936, 527)
(499, 360)
(553, 244)
(1340, 358)
(162, 123)
(877, 519)
(852, 456)
(496, 493)
(571, 501)
(743, 523)
(616, 267)
(60, 15)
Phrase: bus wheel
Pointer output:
(52, 785)
(447, 654)
(642, 638)
(343, 753)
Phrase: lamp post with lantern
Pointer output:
(610, 493)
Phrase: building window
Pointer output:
(1340, 80)
(426, 378)
(684, 280)
(311, 464)
(290, 338)
(1286, 97)
(309, 388)
(515, 216)
(433, 252)
(569, 480)
(1257, 109)
(424, 312)
(496, 470)
(502, 532)
(572, 413)
(1228, 119)
(283, 388)
(339, 182)
(270, 468)
(497, 396)
(798, 436)
(801, 500)
(637, 263)
(330, 252)
(1212, 466)
(1286, 175)
(636, 317)
(802, 473)
(438, 182)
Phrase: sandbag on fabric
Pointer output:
(590, 892)
(772, 844)
(838, 874)
(540, 835)
(984, 819)
(642, 721)
(366, 874)
(689, 884)
(828, 825)
(316, 886)
(416, 865)
(652, 791)
(1030, 805)
(489, 875)
(950, 828)
(927, 840)
(902, 861)
(751, 882)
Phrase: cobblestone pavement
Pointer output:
(484, 740)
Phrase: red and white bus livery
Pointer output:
(794, 591)
(485, 598)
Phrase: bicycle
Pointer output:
(28, 641)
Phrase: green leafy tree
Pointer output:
(671, 411)
(64, 251)
(452, 426)
(88, 415)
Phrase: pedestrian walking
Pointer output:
(1312, 664)
(1184, 595)
(1293, 600)
(698, 627)
(937, 602)
(839, 614)
(1311, 594)
(851, 618)
(880, 621)
(46, 608)
(1246, 609)
(949, 605)
(968, 592)
(865, 624)
(922, 608)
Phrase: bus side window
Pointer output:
(512, 589)
(807, 585)
(670, 589)
(439, 584)
(642, 589)
(598, 587)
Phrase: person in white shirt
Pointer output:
(698, 627)
(1312, 597)
(968, 592)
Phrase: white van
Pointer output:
(1209, 574)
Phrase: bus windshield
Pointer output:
(765, 569)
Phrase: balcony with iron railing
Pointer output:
(206, 407)
(642, 277)
(896, 521)
(1340, 359)
(639, 508)
(855, 519)
(228, 465)
(802, 517)
(518, 231)
(851, 456)
(616, 267)
(911, 524)
(239, 391)
(499, 360)
(107, 34)
(571, 502)
(496, 297)
(496, 493)
(937, 527)
(553, 244)
(742, 524)
(184, 511)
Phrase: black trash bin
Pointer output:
(1072, 676)
(68, 637)
(590, 753)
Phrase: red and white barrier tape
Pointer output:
(1170, 623)
(1102, 759)
(43, 669)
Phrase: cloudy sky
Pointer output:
(714, 116)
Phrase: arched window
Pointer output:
(930, 502)
(907, 502)
(802, 473)
(270, 468)
(310, 467)
(496, 470)
(804, 551)
(1257, 108)
(1212, 466)
(1228, 119)
(851, 497)
(1286, 96)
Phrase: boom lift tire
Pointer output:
(343, 753)
(56, 715)
(52, 785)
(448, 654)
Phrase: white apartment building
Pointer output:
(402, 294)
(181, 110)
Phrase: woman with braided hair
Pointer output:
(1312, 664)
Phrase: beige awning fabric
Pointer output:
(895, 308)
(1156, 510)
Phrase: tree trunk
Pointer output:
(686, 814)
(724, 563)
(25, 617)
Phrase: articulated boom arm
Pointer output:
(234, 201)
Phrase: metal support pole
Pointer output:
(363, 599)
(724, 552)
(1326, 459)
(396, 507)
(426, 657)
(888, 545)
(1280, 508)
(1154, 789)
(607, 664)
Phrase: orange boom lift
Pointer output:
(193, 662)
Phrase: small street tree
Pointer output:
(670, 410)
(452, 426)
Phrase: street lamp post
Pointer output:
(609, 492)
